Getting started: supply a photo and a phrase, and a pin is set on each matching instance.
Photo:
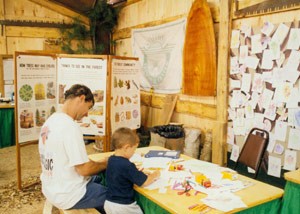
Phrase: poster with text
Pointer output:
(125, 94)
(89, 72)
(36, 94)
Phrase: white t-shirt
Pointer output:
(61, 147)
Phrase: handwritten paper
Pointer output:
(294, 139)
(294, 39)
(267, 97)
(267, 60)
(290, 158)
(230, 136)
(235, 153)
(280, 130)
(267, 28)
(256, 45)
(235, 39)
(280, 33)
(257, 83)
(234, 65)
(274, 168)
(251, 62)
(246, 82)
(243, 53)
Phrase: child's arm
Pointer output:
(151, 178)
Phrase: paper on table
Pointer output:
(225, 201)
(158, 184)
(154, 162)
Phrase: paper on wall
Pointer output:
(243, 53)
(246, 82)
(280, 130)
(294, 39)
(267, 28)
(280, 33)
(235, 39)
(294, 139)
(251, 62)
(235, 153)
(290, 159)
(267, 60)
(274, 168)
(256, 46)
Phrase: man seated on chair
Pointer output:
(66, 168)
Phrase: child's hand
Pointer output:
(156, 173)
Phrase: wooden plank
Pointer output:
(196, 109)
(264, 7)
(167, 110)
(126, 32)
(219, 146)
(199, 53)
(61, 10)
(3, 46)
(32, 32)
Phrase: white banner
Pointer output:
(159, 50)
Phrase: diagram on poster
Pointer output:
(89, 72)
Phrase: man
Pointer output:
(66, 169)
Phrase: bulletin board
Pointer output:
(42, 79)
(265, 91)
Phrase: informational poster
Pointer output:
(125, 106)
(89, 72)
(36, 91)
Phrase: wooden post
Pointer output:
(219, 148)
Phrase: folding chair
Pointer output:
(254, 149)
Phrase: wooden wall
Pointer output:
(192, 111)
(200, 112)
(24, 38)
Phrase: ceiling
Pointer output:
(84, 6)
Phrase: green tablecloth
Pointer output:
(149, 207)
(291, 198)
(7, 127)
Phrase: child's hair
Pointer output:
(123, 136)
(78, 90)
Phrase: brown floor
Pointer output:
(30, 200)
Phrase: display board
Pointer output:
(6, 76)
(125, 94)
(41, 80)
(265, 92)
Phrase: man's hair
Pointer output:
(78, 90)
(123, 136)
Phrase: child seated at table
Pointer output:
(121, 174)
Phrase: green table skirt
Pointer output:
(291, 198)
(149, 207)
(7, 127)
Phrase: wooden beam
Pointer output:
(196, 109)
(13, 31)
(62, 10)
(126, 32)
(182, 106)
(219, 147)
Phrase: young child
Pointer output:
(121, 174)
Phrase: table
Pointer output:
(291, 197)
(260, 197)
(7, 125)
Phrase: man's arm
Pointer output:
(91, 167)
